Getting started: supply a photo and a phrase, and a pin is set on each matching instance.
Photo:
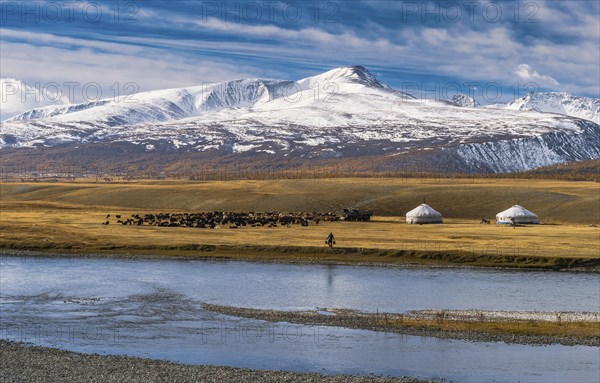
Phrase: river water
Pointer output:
(152, 308)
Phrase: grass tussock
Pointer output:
(581, 330)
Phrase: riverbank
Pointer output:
(481, 326)
(22, 363)
(336, 256)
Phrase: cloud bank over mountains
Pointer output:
(157, 44)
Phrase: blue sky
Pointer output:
(491, 49)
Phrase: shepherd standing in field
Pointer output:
(330, 240)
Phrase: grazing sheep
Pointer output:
(233, 220)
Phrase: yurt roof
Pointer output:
(516, 211)
(424, 210)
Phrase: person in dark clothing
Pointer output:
(330, 241)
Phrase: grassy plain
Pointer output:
(66, 217)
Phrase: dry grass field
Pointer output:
(66, 217)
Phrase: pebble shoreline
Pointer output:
(22, 363)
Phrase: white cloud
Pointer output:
(527, 73)
(105, 63)
(494, 53)
(303, 36)
(18, 97)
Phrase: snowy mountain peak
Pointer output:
(351, 74)
(172, 104)
(463, 100)
(559, 102)
(360, 74)
(244, 93)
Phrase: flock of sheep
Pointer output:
(219, 219)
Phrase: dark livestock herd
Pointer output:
(214, 220)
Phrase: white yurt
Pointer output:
(423, 214)
(517, 213)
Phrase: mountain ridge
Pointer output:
(342, 113)
(557, 102)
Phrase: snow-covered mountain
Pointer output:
(560, 103)
(233, 97)
(463, 100)
(342, 113)
(17, 97)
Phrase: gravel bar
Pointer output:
(371, 321)
(495, 315)
(22, 363)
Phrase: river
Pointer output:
(152, 308)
